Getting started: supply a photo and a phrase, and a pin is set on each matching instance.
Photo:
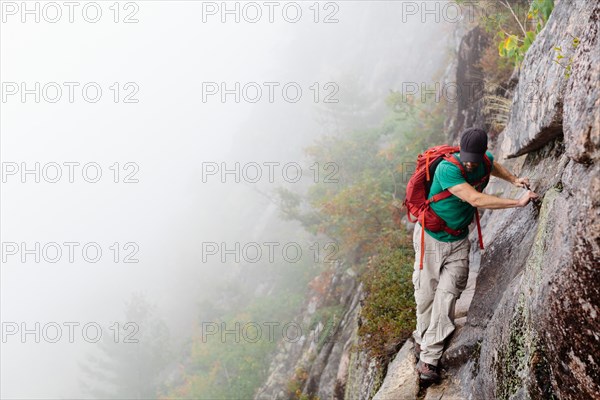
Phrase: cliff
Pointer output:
(528, 325)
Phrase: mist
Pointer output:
(160, 139)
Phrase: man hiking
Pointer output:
(442, 275)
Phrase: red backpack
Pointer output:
(417, 192)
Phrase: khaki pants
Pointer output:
(437, 286)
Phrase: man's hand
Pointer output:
(527, 197)
(521, 182)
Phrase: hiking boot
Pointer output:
(428, 372)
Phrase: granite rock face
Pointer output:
(582, 98)
(532, 328)
(545, 97)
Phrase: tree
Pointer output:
(132, 355)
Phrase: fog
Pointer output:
(162, 133)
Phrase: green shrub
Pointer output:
(515, 24)
(388, 311)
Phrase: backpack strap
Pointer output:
(444, 194)
(422, 243)
(480, 236)
(451, 158)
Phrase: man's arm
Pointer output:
(466, 192)
(501, 172)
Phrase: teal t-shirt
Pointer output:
(457, 213)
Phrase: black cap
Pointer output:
(473, 144)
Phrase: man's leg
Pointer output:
(452, 282)
(425, 281)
